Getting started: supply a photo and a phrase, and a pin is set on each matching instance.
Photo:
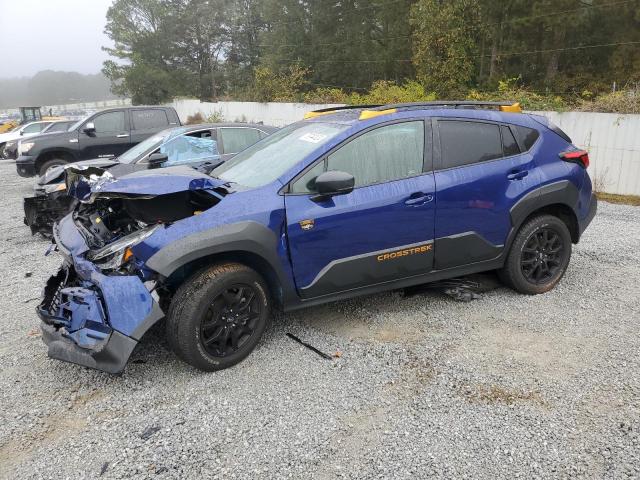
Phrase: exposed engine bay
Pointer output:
(113, 214)
(106, 220)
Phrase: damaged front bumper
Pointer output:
(92, 319)
(42, 211)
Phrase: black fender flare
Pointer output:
(563, 192)
(244, 237)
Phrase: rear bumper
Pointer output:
(26, 166)
(593, 208)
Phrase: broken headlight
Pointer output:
(115, 254)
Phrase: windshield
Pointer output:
(133, 154)
(268, 159)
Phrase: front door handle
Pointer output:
(418, 199)
(122, 135)
(518, 174)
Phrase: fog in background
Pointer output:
(63, 35)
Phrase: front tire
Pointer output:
(217, 317)
(539, 256)
(54, 162)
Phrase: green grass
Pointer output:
(621, 199)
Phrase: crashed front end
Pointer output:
(103, 299)
(47, 206)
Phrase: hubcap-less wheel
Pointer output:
(542, 256)
(230, 320)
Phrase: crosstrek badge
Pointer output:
(405, 252)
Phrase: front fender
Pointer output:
(247, 236)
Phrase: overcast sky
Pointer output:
(52, 35)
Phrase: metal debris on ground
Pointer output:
(310, 347)
(462, 289)
(149, 432)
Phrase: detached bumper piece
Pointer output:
(42, 211)
(76, 327)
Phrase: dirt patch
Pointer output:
(50, 429)
(495, 394)
(369, 327)
(506, 349)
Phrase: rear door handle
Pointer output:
(419, 199)
(122, 135)
(518, 175)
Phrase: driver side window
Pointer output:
(381, 155)
(190, 148)
(110, 122)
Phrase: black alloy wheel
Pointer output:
(542, 256)
(218, 315)
(539, 255)
(230, 320)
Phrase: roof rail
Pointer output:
(513, 107)
(447, 104)
(371, 111)
(325, 111)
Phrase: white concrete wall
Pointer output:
(613, 142)
(275, 114)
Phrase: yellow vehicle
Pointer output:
(27, 114)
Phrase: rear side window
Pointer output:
(509, 144)
(148, 119)
(465, 143)
(527, 136)
(235, 139)
(110, 122)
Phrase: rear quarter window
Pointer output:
(509, 144)
(149, 119)
(526, 136)
(465, 143)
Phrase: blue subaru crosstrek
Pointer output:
(347, 202)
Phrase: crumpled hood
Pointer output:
(55, 174)
(87, 183)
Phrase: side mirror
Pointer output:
(157, 159)
(89, 128)
(333, 183)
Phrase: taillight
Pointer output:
(576, 156)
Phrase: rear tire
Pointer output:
(217, 317)
(539, 256)
(54, 162)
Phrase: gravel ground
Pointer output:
(504, 386)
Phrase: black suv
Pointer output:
(104, 134)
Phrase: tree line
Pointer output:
(53, 88)
(296, 49)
